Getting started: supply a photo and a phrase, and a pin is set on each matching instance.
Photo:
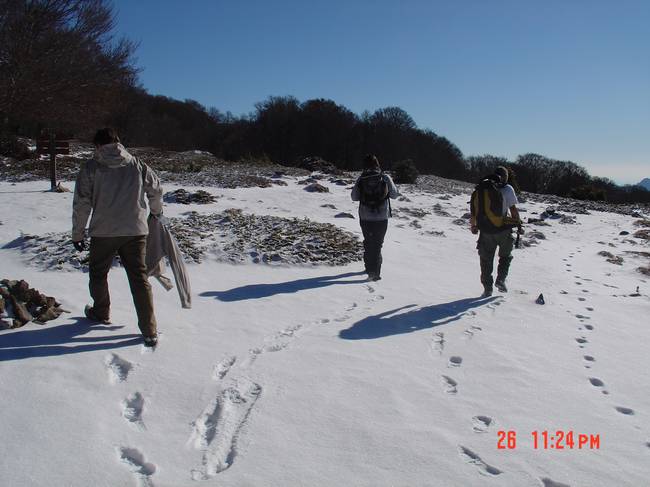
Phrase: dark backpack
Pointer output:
(373, 189)
(487, 207)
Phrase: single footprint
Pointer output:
(481, 423)
(468, 333)
(217, 429)
(438, 342)
(118, 368)
(583, 317)
(589, 327)
(626, 411)
(546, 482)
(589, 308)
(582, 341)
(138, 465)
(596, 382)
(370, 288)
(470, 457)
(223, 367)
(354, 305)
(455, 361)
(132, 408)
(290, 331)
(451, 386)
(582, 299)
(589, 358)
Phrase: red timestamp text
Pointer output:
(551, 440)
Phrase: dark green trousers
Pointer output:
(132, 254)
(487, 246)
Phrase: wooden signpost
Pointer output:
(53, 145)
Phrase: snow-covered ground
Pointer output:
(312, 376)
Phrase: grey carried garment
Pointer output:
(161, 243)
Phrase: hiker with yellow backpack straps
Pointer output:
(491, 202)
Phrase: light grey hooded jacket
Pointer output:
(116, 187)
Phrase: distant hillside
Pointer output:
(645, 183)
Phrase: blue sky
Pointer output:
(568, 79)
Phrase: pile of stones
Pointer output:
(20, 304)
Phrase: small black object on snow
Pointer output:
(540, 299)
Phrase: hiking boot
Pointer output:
(487, 292)
(373, 276)
(150, 341)
(89, 311)
(501, 286)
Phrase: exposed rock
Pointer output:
(642, 223)
(624, 232)
(642, 234)
(184, 197)
(437, 209)
(460, 222)
(316, 188)
(414, 212)
(566, 219)
(233, 236)
(536, 234)
(21, 304)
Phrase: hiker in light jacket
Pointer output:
(116, 187)
(373, 189)
(488, 242)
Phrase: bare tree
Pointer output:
(60, 65)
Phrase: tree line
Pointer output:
(62, 68)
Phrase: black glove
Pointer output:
(80, 245)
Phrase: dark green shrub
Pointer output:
(405, 172)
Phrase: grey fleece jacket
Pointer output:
(369, 214)
(161, 243)
(115, 186)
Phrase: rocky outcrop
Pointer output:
(235, 237)
(184, 197)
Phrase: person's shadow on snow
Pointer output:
(395, 323)
(48, 340)
(257, 291)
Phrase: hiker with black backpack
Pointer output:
(373, 189)
(491, 201)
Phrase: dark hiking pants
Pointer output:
(132, 253)
(373, 239)
(487, 246)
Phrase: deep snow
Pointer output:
(312, 376)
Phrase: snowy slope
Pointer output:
(311, 376)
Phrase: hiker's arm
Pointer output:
(514, 212)
(153, 190)
(393, 192)
(355, 192)
(81, 203)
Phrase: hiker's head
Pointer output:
(105, 136)
(502, 172)
(370, 162)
